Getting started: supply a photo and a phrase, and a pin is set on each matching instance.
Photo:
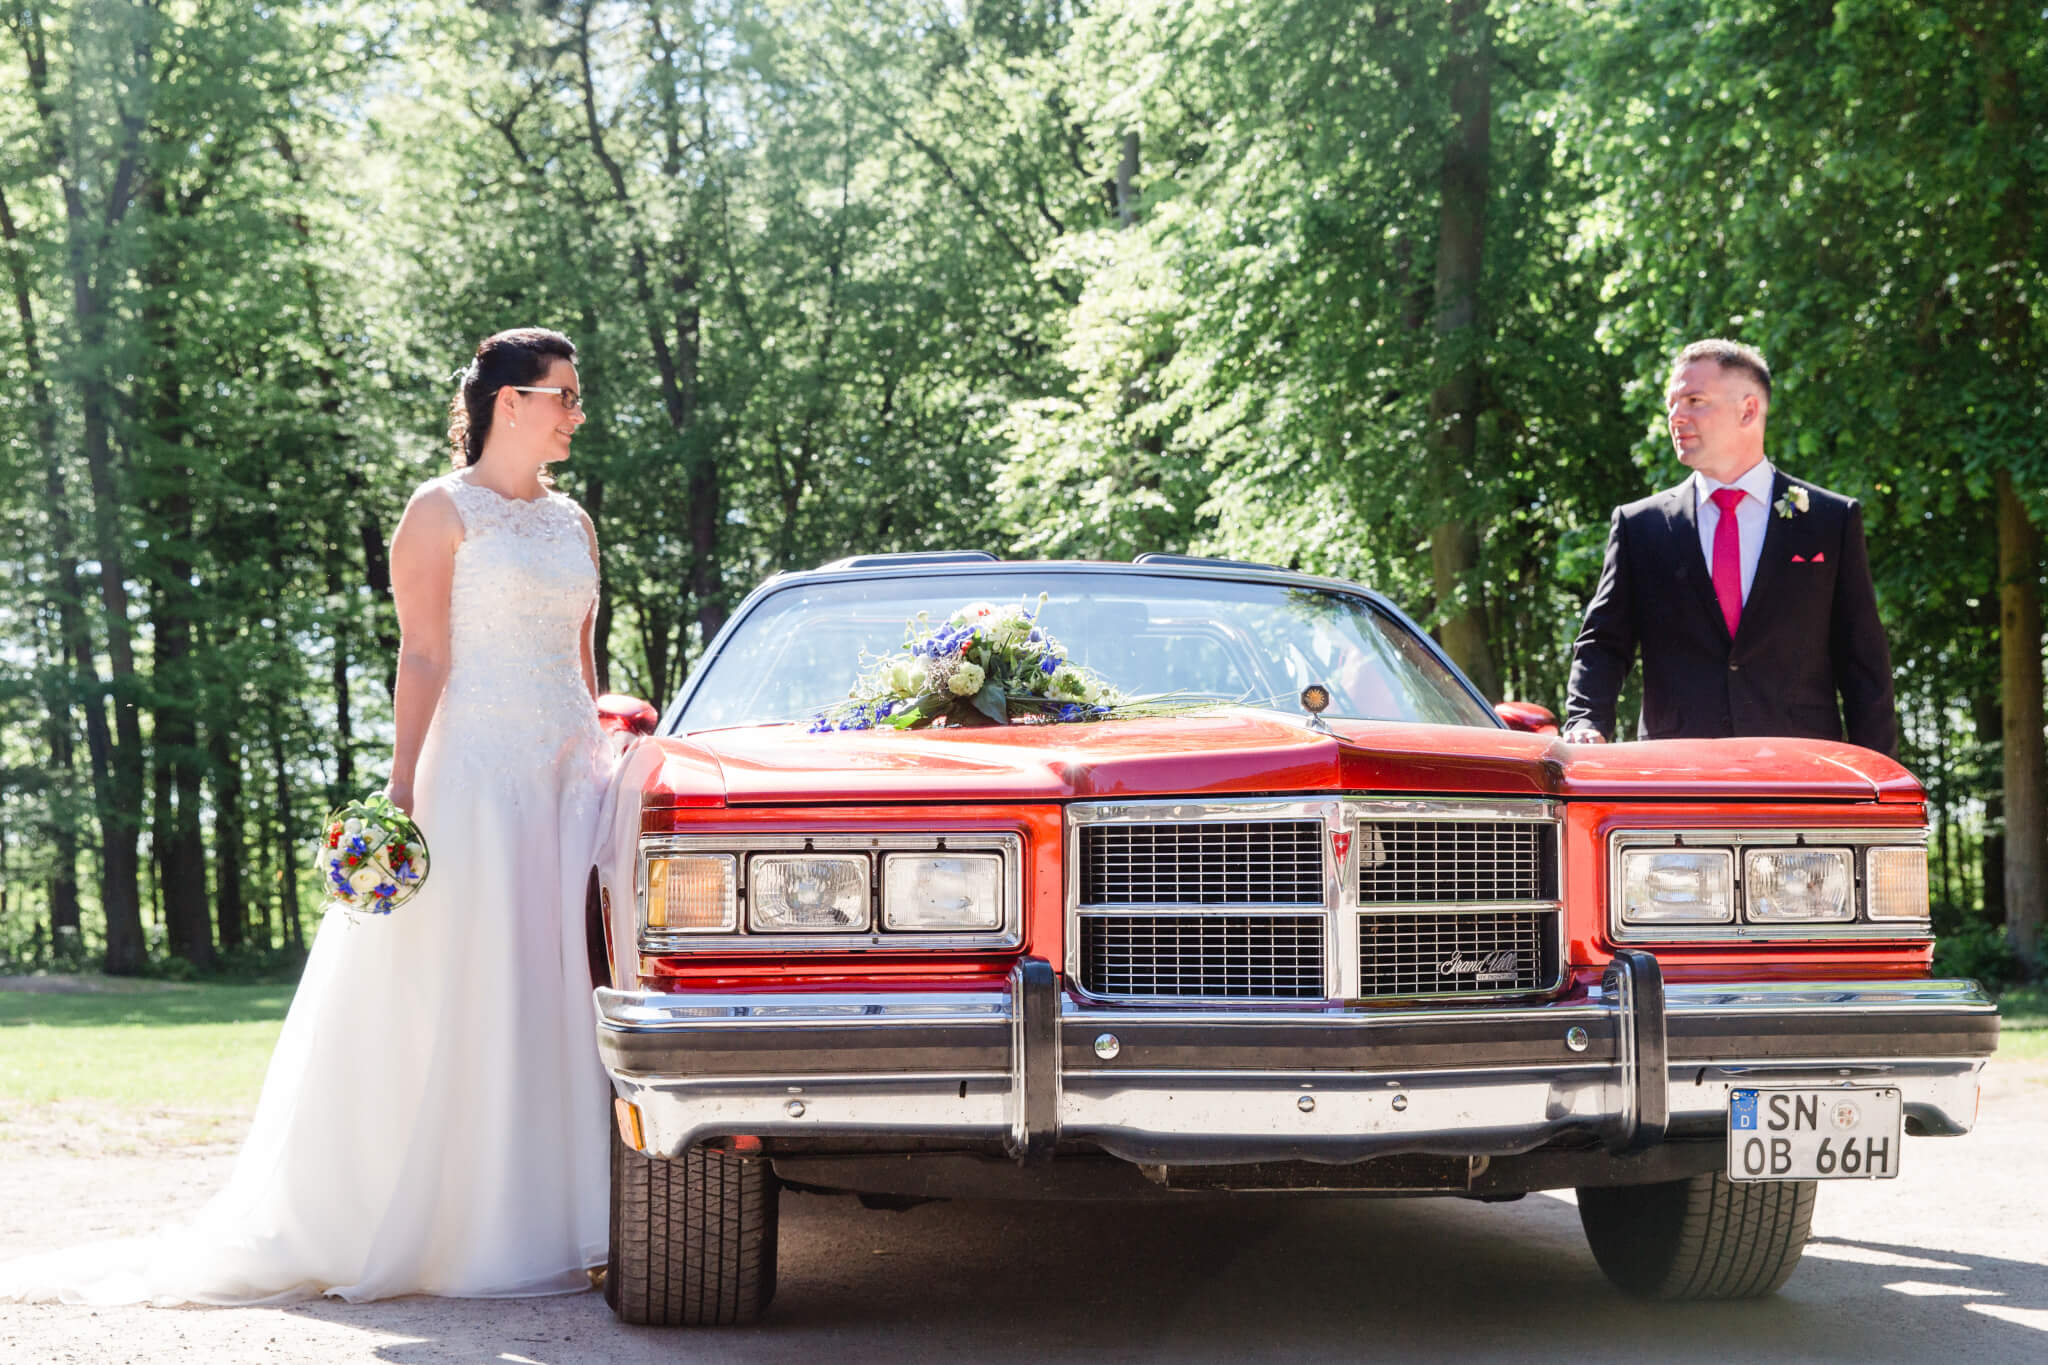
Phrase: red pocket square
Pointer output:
(1798, 559)
(1819, 558)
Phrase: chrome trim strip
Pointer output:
(1502, 810)
(675, 943)
(1165, 810)
(1269, 908)
(1830, 997)
(1857, 842)
(1328, 1013)
(659, 1012)
(1458, 907)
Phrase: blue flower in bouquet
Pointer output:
(1050, 664)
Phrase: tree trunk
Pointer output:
(230, 910)
(344, 715)
(1454, 405)
(1988, 718)
(1127, 181)
(164, 460)
(2026, 764)
(287, 846)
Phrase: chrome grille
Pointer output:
(1424, 862)
(1210, 862)
(1211, 956)
(1453, 953)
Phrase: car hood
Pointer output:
(1234, 752)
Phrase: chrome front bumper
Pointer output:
(1028, 1066)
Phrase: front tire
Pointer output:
(693, 1238)
(1706, 1237)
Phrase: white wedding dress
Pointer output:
(434, 1120)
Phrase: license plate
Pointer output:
(1814, 1134)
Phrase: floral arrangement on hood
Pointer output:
(983, 665)
(371, 857)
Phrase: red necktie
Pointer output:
(1728, 558)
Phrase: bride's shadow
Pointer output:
(1258, 1280)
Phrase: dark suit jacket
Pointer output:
(1808, 631)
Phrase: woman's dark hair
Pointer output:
(519, 356)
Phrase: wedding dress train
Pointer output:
(434, 1119)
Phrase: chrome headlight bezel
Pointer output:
(1006, 846)
(1638, 867)
(723, 866)
(855, 871)
(981, 871)
(1746, 923)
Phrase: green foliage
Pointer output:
(1979, 951)
(1043, 279)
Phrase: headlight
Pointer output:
(807, 893)
(693, 893)
(1798, 886)
(925, 891)
(1897, 882)
(1677, 886)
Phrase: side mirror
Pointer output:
(1528, 717)
(622, 714)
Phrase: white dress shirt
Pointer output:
(1752, 517)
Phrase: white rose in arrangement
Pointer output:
(373, 835)
(351, 827)
(966, 680)
(364, 877)
(973, 613)
(906, 676)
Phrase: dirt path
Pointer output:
(1950, 1261)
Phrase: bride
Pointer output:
(434, 1118)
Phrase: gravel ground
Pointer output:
(1948, 1261)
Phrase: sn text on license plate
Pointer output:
(1813, 1134)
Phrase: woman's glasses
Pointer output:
(571, 399)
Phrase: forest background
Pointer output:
(1381, 289)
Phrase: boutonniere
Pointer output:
(1792, 503)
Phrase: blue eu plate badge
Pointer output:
(1742, 1110)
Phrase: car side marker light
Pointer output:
(628, 1116)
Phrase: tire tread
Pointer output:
(693, 1238)
(1702, 1238)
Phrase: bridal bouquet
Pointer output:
(371, 856)
(983, 665)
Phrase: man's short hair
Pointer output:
(1731, 355)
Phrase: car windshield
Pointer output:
(1257, 643)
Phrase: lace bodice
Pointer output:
(523, 586)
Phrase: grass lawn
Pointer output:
(121, 1065)
(2023, 1023)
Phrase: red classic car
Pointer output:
(1408, 944)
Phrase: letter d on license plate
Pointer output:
(1814, 1134)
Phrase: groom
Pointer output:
(1748, 592)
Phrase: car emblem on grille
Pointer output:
(1498, 966)
(1340, 843)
